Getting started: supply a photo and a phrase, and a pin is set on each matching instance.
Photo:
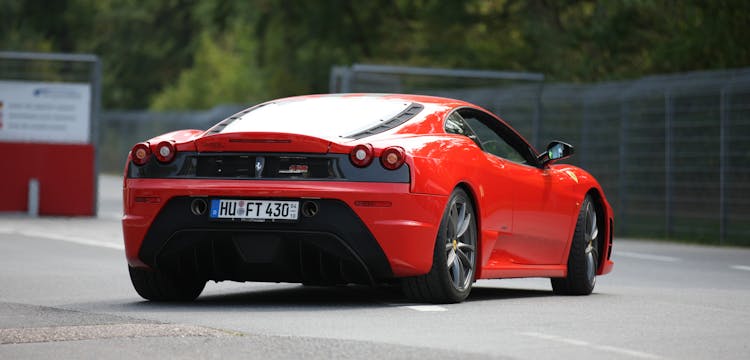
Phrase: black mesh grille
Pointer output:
(267, 167)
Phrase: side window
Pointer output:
(454, 124)
(494, 139)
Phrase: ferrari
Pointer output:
(426, 193)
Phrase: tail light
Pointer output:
(392, 158)
(165, 151)
(140, 153)
(361, 155)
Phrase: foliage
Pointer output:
(223, 69)
(195, 54)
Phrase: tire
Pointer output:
(155, 285)
(583, 260)
(454, 256)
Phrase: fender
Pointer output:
(585, 184)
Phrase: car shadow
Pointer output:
(499, 293)
(315, 298)
(288, 298)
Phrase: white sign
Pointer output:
(45, 112)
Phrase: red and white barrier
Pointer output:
(45, 141)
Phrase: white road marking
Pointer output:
(740, 267)
(607, 348)
(426, 308)
(70, 239)
(633, 353)
(646, 256)
(109, 215)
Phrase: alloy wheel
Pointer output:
(591, 236)
(460, 246)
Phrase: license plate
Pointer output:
(254, 210)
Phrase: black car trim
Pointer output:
(334, 246)
(218, 128)
(402, 117)
(242, 166)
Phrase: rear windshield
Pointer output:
(322, 117)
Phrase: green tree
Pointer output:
(175, 54)
(224, 71)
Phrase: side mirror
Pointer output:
(556, 150)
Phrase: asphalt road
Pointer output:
(65, 293)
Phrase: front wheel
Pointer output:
(156, 285)
(583, 259)
(454, 257)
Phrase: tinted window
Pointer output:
(454, 124)
(494, 138)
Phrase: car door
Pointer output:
(540, 229)
(494, 190)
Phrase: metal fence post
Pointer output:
(668, 166)
(346, 81)
(623, 152)
(33, 197)
(96, 103)
(536, 120)
(340, 80)
(724, 117)
(585, 131)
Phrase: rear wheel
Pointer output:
(158, 286)
(454, 256)
(583, 259)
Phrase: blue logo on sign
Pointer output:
(57, 93)
(215, 208)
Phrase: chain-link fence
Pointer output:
(669, 150)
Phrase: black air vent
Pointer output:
(267, 167)
(391, 123)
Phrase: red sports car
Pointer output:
(360, 188)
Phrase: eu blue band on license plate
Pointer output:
(254, 209)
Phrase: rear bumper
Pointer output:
(354, 226)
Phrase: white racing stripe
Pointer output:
(607, 348)
(70, 239)
(633, 255)
(740, 267)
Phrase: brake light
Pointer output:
(165, 151)
(140, 153)
(361, 155)
(392, 158)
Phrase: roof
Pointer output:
(335, 116)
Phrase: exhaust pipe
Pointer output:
(198, 207)
(309, 209)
